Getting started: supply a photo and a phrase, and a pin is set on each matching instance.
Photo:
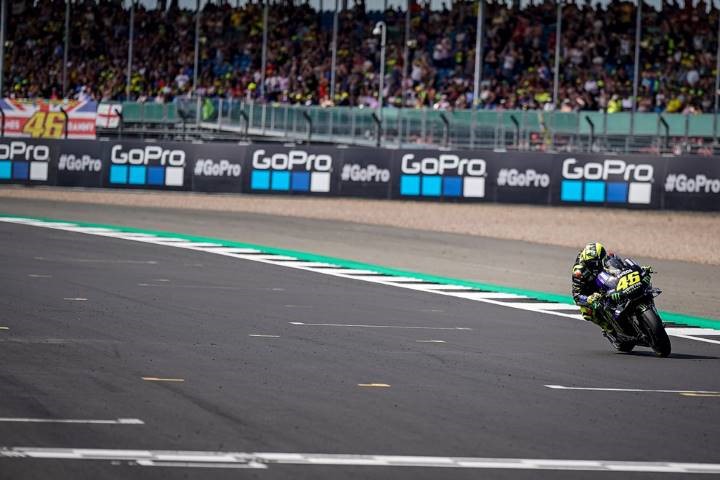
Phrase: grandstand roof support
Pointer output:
(636, 69)
(66, 48)
(478, 51)
(717, 83)
(264, 49)
(333, 65)
(3, 24)
(131, 38)
(406, 53)
(558, 40)
(381, 29)
(196, 60)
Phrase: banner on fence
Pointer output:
(135, 164)
(691, 183)
(291, 170)
(28, 161)
(631, 181)
(46, 119)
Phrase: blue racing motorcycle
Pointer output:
(629, 307)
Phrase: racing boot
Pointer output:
(620, 346)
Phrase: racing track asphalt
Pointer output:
(480, 394)
(688, 288)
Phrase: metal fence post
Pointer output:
(67, 122)
(473, 125)
(121, 124)
(309, 121)
(263, 117)
(285, 119)
(516, 135)
(400, 127)
(446, 130)
(592, 133)
(252, 109)
(197, 112)
(244, 116)
(665, 144)
(352, 123)
(378, 128)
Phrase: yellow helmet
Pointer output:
(593, 254)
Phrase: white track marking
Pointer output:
(381, 279)
(430, 341)
(263, 336)
(690, 337)
(119, 421)
(630, 390)
(75, 299)
(443, 287)
(693, 331)
(356, 272)
(39, 275)
(484, 296)
(374, 326)
(200, 459)
(537, 306)
(557, 309)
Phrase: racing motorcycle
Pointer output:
(629, 306)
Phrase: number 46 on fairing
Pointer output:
(45, 125)
(628, 281)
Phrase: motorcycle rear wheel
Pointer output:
(655, 331)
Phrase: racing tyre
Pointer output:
(657, 336)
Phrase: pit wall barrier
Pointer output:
(628, 181)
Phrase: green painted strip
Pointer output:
(693, 321)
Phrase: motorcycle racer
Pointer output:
(588, 264)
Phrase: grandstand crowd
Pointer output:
(678, 55)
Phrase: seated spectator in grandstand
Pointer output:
(596, 65)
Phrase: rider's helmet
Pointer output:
(593, 255)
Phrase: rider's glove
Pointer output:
(594, 300)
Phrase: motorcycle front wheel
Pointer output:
(655, 331)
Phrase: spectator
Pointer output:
(597, 55)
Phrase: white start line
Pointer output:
(203, 459)
(509, 300)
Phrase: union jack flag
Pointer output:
(18, 112)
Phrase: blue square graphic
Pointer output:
(594, 191)
(280, 181)
(20, 170)
(571, 191)
(301, 181)
(118, 173)
(617, 192)
(5, 169)
(156, 175)
(260, 180)
(452, 186)
(137, 175)
(431, 185)
(410, 185)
